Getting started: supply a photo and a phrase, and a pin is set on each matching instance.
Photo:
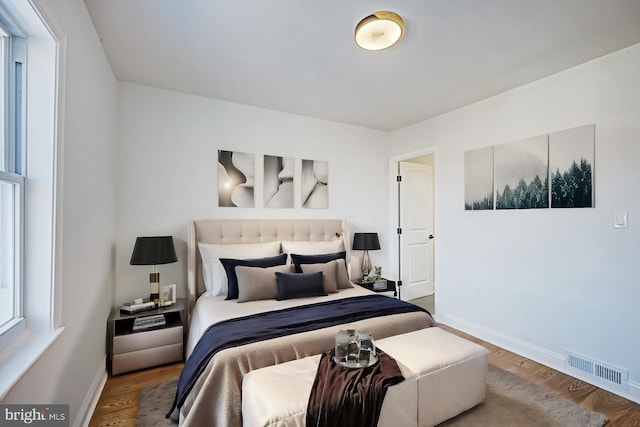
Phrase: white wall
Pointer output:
(543, 281)
(167, 171)
(547, 280)
(69, 370)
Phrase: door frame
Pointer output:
(394, 206)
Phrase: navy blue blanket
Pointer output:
(272, 324)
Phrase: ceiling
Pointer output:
(299, 56)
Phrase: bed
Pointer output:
(212, 395)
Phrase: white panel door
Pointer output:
(416, 222)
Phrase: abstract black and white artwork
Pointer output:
(521, 171)
(478, 179)
(571, 155)
(315, 184)
(236, 179)
(278, 182)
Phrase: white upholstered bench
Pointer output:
(444, 376)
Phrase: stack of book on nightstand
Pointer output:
(137, 306)
(379, 284)
(148, 322)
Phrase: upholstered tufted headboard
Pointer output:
(226, 231)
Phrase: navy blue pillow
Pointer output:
(315, 259)
(230, 265)
(299, 285)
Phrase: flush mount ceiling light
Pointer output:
(378, 31)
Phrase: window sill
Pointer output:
(17, 358)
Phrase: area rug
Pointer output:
(511, 401)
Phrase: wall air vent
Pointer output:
(580, 363)
(594, 368)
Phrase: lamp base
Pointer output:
(154, 287)
(366, 265)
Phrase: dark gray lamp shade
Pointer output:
(365, 241)
(153, 251)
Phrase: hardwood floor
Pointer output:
(118, 404)
(621, 412)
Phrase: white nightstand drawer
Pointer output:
(144, 340)
(145, 358)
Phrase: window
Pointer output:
(12, 179)
(32, 50)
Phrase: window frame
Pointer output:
(16, 324)
(43, 133)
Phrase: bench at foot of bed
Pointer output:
(444, 376)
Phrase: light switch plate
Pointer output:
(620, 220)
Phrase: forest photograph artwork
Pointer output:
(571, 154)
(522, 174)
(552, 170)
(478, 179)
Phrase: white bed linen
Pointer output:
(211, 309)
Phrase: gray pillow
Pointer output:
(258, 283)
(328, 274)
(342, 276)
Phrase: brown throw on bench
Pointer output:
(350, 397)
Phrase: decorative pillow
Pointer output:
(230, 265)
(342, 276)
(215, 279)
(315, 258)
(256, 283)
(328, 274)
(305, 247)
(312, 248)
(299, 285)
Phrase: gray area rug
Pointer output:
(511, 401)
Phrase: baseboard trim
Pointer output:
(93, 395)
(536, 353)
(634, 390)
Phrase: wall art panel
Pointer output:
(315, 184)
(571, 155)
(236, 179)
(478, 179)
(278, 182)
(521, 173)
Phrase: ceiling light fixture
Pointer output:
(379, 31)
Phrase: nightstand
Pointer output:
(129, 350)
(390, 289)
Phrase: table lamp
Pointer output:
(365, 242)
(153, 251)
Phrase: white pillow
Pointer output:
(215, 278)
(312, 248)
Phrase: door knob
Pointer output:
(431, 237)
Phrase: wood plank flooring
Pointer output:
(621, 412)
(118, 404)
